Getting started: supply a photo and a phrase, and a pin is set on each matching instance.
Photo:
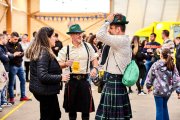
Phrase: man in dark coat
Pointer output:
(177, 56)
(58, 45)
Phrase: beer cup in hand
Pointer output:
(69, 63)
(65, 77)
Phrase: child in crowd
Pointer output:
(164, 78)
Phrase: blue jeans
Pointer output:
(13, 71)
(3, 96)
(161, 108)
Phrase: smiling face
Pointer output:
(76, 37)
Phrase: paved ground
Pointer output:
(143, 108)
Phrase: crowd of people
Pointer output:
(52, 65)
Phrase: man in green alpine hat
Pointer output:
(114, 103)
(77, 57)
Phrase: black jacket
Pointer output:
(45, 75)
(12, 48)
(4, 58)
(178, 58)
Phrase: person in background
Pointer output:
(4, 32)
(150, 49)
(5, 60)
(177, 56)
(114, 103)
(3, 52)
(45, 74)
(77, 57)
(93, 42)
(34, 34)
(144, 43)
(16, 53)
(84, 37)
(139, 57)
(25, 44)
(58, 45)
(168, 43)
(164, 78)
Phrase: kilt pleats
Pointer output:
(114, 103)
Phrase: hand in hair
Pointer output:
(110, 18)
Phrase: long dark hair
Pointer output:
(40, 43)
(166, 54)
(91, 39)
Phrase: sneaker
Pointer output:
(6, 104)
(11, 100)
(141, 93)
(25, 99)
(1, 109)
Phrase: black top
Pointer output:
(45, 75)
(178, 57)
(12, 48)
(151, 45)
(139, 57)
(105, 53)
(4, 58)
(59, 45)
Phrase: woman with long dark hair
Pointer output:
(45, 74)
(164, 78)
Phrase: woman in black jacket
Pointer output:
(139, 57)
(45, 74)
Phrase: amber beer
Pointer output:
(76, 67)
(101, 71)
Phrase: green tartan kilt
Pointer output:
(114, 103)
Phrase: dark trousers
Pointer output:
(26, 64)
(49, 107)
(73, 116)
(142, 75)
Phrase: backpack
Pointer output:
(3, 76)
(131, 73)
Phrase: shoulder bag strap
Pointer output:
(87, 48)
(67, 57)
(116, 63)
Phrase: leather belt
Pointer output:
(114, 75)
(78, 76)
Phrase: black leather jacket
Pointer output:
(45, 75)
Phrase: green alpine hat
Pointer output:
(120, 19)
(75, 29)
